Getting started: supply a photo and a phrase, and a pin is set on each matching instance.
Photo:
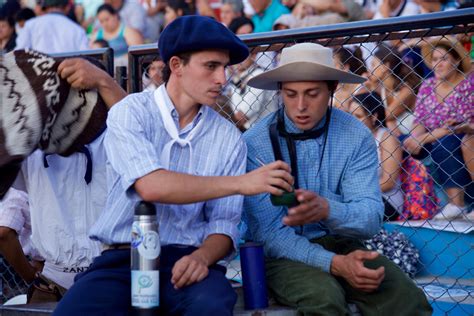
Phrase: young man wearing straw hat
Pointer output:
(168, 148)
(314, 259)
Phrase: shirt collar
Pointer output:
(175, 115)
(292, 128)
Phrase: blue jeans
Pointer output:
(105, 288)
(449, 167)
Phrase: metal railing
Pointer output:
(445, 247)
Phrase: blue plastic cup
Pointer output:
(253, 276)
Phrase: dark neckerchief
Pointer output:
(278, 129)
(83, 150)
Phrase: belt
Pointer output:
(115, 246)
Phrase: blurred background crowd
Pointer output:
(407, 79)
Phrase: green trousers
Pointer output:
(315, 292)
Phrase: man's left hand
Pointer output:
(188, 270)
(312, 208)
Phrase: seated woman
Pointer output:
(397, 84)
(369, 109)
(116, 34)
(447, 98)
(348, 60)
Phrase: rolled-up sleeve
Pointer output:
(13, 209)
(224, 214)
(129, 148)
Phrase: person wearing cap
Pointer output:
(52, 32)
(453, 83)
(315, 261)
(169, 148)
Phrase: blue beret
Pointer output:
(194, 33)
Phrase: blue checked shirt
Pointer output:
(134, 141)
(348, 180)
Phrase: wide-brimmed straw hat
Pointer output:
(428, 48)
(304, 62)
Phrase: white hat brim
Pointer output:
(302, 71)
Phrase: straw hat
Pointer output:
(428, 47)
(304, 62)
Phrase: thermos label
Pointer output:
(145, 289)
(148, 243)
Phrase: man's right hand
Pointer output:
(351, 268)
(274, 178)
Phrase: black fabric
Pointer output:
(278, 129)
(8, 173)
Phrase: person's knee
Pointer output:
(331, 295)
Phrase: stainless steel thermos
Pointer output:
(145, 253)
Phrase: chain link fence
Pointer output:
(419, 84)
(418, 101)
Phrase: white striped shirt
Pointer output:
(134, 141)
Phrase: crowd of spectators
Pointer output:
(420, 104)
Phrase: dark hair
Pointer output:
(403, 74)
(166, 73)
(372, 104)
(449, 49)
(186, 7)
(354, 60)
(102, 42)
(9, 19)
(25, 14)
(238, 22)
(107, 7)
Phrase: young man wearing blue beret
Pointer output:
(166, 147)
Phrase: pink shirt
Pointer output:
(459, 105)
(15, 214)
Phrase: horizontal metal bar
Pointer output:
(406, 23)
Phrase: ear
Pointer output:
(175, 65)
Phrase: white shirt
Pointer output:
(15, 214)
(52, 33)
(63, 207)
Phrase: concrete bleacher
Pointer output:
(239, 310)
(446, 274)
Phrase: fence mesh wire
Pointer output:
(416, 72)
